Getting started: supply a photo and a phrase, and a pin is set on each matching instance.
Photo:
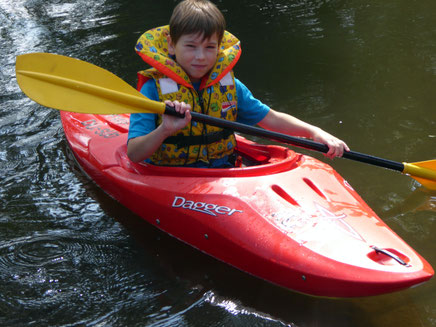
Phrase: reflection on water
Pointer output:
(420, 199)
(69, 255)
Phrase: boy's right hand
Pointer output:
(172, 124)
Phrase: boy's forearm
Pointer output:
(142, 147)
(284, 123)
(287, 124)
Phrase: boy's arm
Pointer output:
(287, 124)
(142, 147)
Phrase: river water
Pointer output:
(72, 256)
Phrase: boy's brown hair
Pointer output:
(197, 17)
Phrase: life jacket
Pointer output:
(216, 97)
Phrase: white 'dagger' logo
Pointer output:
(207, 208)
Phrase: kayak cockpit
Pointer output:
(257, 160)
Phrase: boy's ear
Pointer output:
(171, 46)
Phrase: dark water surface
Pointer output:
(71, 256)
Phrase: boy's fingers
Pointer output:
(188, 115)
(185, 106)
(168, 102)
(176, 105)
(331, 153)
(336, 149)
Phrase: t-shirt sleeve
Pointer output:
(250, 110)
(142, 124)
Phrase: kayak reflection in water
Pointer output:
(192, 61)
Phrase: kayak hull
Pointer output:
(289, 218)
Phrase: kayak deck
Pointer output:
(289, 218)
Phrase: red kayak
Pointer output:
(282, 216)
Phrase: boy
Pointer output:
(193, 60)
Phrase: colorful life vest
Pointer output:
(216, 97)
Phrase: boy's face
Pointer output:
(196, 56)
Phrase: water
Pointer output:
(71, 256)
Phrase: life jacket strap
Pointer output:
(183, 141)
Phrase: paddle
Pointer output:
(69, 84)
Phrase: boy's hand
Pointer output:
(336, 146)
(172, 124)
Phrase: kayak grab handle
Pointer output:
(391, 255)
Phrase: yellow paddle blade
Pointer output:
(69, 84)
(424, 172)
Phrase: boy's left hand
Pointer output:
(336, 146)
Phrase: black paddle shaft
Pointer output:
(284, 138)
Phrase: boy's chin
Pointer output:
(195, 79)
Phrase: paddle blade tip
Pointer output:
(424, 172)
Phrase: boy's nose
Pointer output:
(199, 54)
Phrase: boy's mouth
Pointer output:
(199, 66)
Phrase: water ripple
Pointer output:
(43, 271)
